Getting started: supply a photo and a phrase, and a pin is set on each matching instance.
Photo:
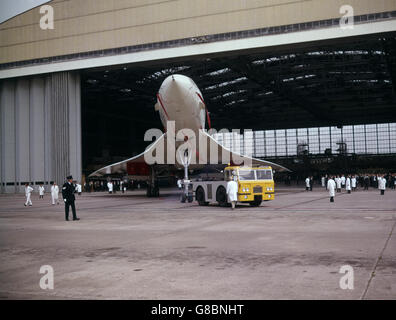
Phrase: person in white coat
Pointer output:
(78, 189)
(110, 186)
(179, 184)
(55, 193)
(323, 181)
(382, 184)
(232, 192)
(122, 186)
(338, 183)
(41, 191)
(28, 194)
(307, 184)
(353, 183)
(348, 184)
(331, 186)
(343, 181)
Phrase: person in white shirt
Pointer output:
(307, 184)
(179, 184)
(353, 183)
(41, 191)
(121, 186)
(28, 194)
(323, 181)
(348, 184)
(343, 181)
(331, 186)
(78, 189)
(382, 184)
(232, 192)
(338, 183)
(55, 193)
(110, 186)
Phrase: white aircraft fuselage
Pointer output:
(180, 100)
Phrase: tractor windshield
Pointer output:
(264, 174)
(246, 175)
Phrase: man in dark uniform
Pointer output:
(68, 191)
(366, 182)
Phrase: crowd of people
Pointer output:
(336, 183)
(112, 186)
(333, 183)
(69, 188)
(54, 191)
(365, 181)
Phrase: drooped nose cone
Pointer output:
(176, 86)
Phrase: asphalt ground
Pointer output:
(127, 246)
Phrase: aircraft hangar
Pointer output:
(82, 94)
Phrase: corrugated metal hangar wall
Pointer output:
(88, 25)
(40, 130)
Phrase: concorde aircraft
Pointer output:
(183, 113)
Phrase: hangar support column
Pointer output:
(40, 130)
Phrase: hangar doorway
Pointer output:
(318, 85)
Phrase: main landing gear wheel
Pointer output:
(184, 198)
(152, 191)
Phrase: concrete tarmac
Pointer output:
(127, 246)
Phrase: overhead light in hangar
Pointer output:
(218, 72)
(226, 83)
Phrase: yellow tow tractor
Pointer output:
(255, 184)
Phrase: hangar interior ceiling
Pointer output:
(325, 84)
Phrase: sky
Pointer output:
(11, 8)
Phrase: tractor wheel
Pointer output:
(221, 196)
(200, 197)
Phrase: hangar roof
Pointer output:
(324, 84)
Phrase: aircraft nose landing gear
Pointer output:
(187, 194)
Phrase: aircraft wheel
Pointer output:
(155, 192)
(221, 196)
(200, 197)
(148, 191)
